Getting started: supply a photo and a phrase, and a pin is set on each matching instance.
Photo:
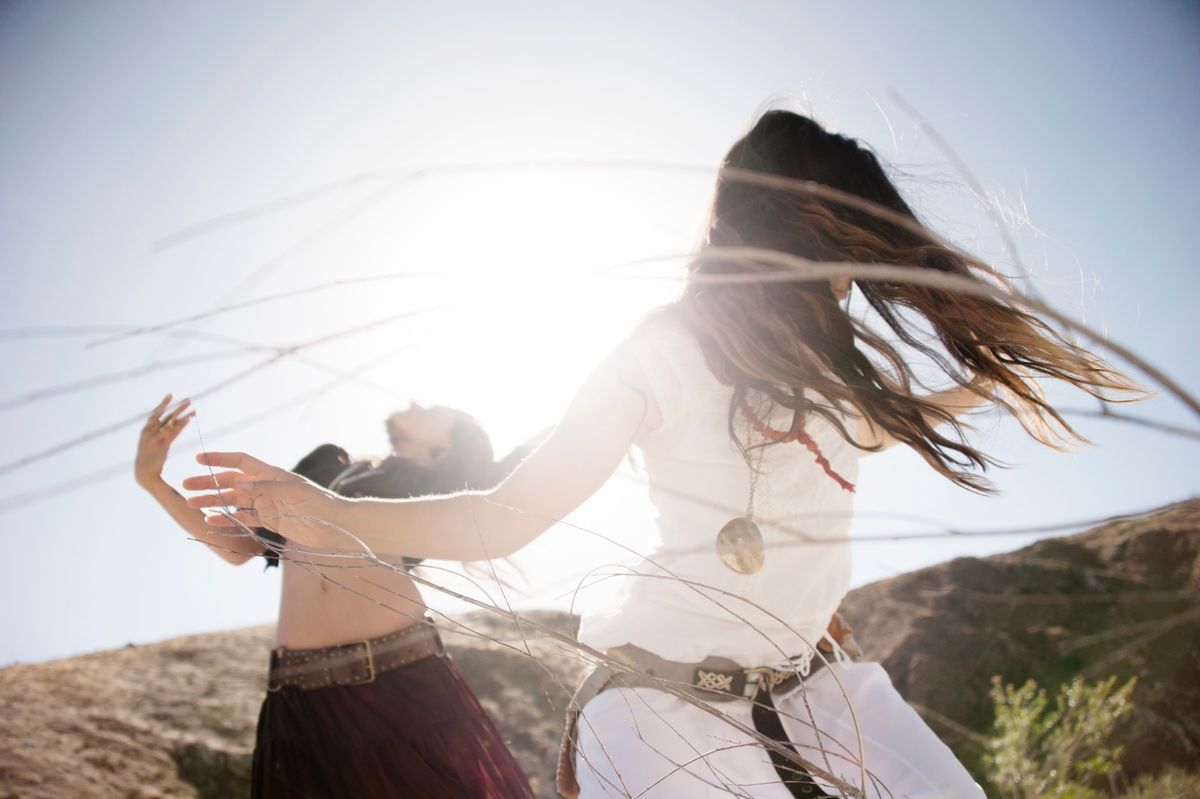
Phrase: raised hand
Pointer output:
(157, 436)
(256, 494)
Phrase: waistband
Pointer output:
(353, 663)
(712, 679)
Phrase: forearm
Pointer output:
(233, 548)
(570, 465)
(464, 527)
(483, 524)
(959, 400)
(955, 402)
(576, 459)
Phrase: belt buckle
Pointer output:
(270, 670)
(370, 665)
(768, 677)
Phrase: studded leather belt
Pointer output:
(714, 679)
(353, 663)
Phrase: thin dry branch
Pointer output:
(283, 352)
(793, 268)
(967, 176)
(1127, 418)
(49, 392)
(88, 479)
(618, 666)
(365, 552)
(133, 332)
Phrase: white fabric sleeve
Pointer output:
(656, 350)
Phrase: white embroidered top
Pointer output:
(699, 481)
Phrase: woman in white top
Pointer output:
(751, 402)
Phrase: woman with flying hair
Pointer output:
(751, 399)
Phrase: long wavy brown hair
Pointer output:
(794, 341)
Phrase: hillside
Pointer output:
(1119, 599)
(176, 718)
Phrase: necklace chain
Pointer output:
(755, 462)
(799, 435)
(740, 544)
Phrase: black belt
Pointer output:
(795, 777)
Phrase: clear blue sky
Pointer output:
(122, 123)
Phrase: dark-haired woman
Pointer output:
(362, 700)
(751, 401)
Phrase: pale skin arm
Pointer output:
(609, 411)
(612, 408)
(955, 401)
(161, 430)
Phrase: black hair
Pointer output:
(467, 465)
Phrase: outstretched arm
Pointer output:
(955, 401)
(610, 409)
(157, 436)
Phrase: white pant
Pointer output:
(640, 742)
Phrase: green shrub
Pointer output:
(1171, 784)
(1065, 748)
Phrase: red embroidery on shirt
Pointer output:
(799, 435)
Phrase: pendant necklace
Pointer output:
(740, 544)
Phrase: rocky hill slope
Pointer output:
(176, 719)
(1122, 598)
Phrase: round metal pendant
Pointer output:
(740, 546)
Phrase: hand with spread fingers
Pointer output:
(256, 494)
(157, 436)
(162, 429)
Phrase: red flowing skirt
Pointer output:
(416, 731)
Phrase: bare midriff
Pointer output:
(328, 601)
